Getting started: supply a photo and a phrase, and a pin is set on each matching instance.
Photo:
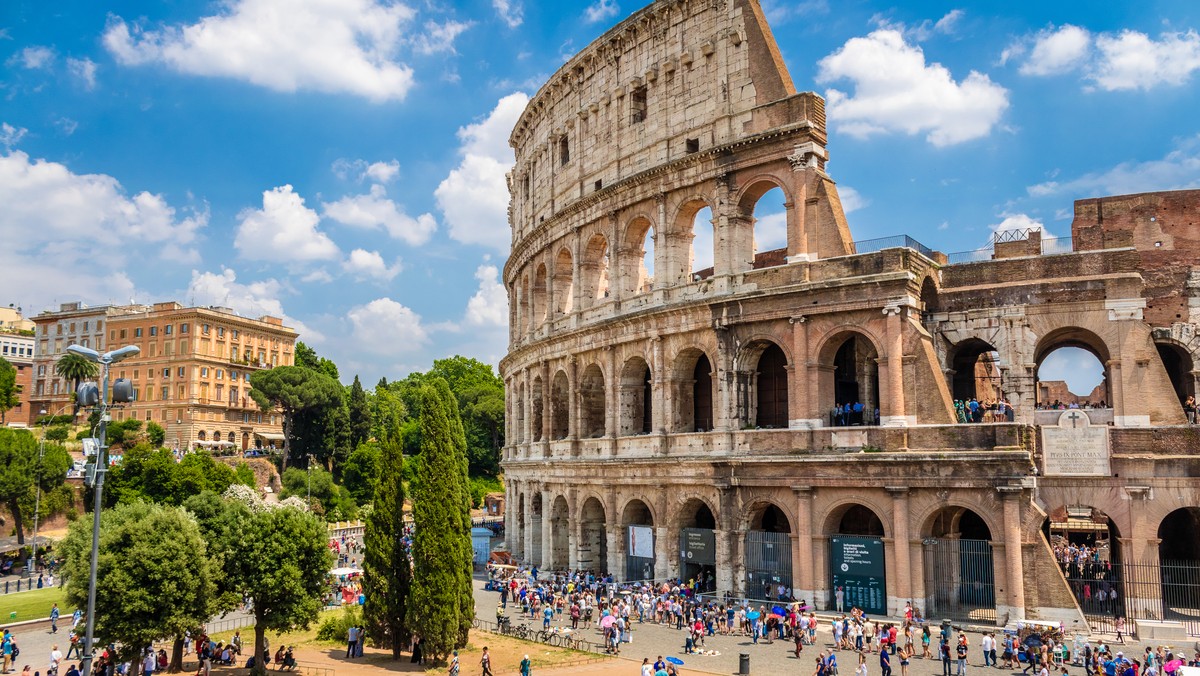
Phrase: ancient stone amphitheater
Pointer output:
(673, 388)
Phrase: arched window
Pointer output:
(637, 266)
(591, 403)
(1071, 370)
(564, 283)
(771, 389)
(637, 399)
(594, 278)
(560, 402)
(763, 206)
(849, 392)
(538, 298)
(703, 245)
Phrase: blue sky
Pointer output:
(341, 162)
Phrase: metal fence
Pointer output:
(893, 242)
(960, 580)
(768, 563)
(12, 586)
(1166, 590)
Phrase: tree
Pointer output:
(387, 413)
(441, 604)
(362, 471)
(306, 357)
(75, 368)
(386, 562)
(153, 577)
(10, 391)
(155, 434)
(359, 411)
(292, 389)
(152, 474)
(21, 472)
(330, 499)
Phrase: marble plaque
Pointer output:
(1074, 447)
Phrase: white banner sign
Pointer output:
(641, 542)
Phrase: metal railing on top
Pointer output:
(893, 242)
(1050, 246)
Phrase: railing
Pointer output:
(23, 585)
(893, 242)
(228, 624)
(526, 632)
(1050, 246)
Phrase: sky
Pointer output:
(341, 163)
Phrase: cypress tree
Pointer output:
(359, 412)
(441, 604)
(386, 562)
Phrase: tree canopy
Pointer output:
(21, 472)
(386, 561)
(148, 473)
(293, 389)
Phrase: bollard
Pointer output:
(743, 664)
(6, 586)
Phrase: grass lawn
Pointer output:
(34, 605)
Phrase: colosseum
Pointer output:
(682, 402)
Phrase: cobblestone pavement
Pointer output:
(651, 640)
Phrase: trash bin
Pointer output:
(744, 664)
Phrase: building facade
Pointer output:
(16, 347)
(667, 419)
(192, 374)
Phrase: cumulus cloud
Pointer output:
(10, 135)
(1058, 51)
(601, 10)
(511, 12)
(474, 197)
(35, 57)
(369, 265)
(253, 299)
(374, 210)
(439, 37)
(283, 230)
(385, 327)
(360, 170)
(489, 305)
(1111, 61)
(895, 90)
(83, 70)
(334, 47)
(852, 200)
(1177, 170)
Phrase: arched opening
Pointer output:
(535, 531)
(593, 271)
(769, 554)
(702, 247)
(591, 403)
(637, 258)
(1179, 561)
(765, 205)
(558, 558)
(771, 389)
(639, 541)
(564, 283)
(929, 297)
(1178, 364)
(1071, 370)
(202, 435)
(959, 566)
(636, 398)
(592, 548)
(698, 544)
(536, 426)
(857, 561)
(520, 436)
(537, 299)
(693, 389)
(1087, 546)
(976, 377)
(560, 406)
(850, 380)
(245, 441)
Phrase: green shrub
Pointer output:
(480, 486)
(58, 433)
(336, 625)
(64, 419)
(156, 434)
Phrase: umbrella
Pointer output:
(1033, 641)
(777, 616)
(753, 615)
(607, 621)
(675, 660)
(1172, 665)
(625, 592)
(778, 610)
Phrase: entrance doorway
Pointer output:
(698, 545)
(769, 555)
(857, 562)
(959, 567)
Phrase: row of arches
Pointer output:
(637, 259)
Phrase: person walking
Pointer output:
(944, 649)
(54, 613)
(454, 664)
(351, 641)
(486, 663)
(885, 663)
(961, 653)
(526, 667)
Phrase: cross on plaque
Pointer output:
(1074, 418)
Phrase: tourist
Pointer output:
(960, 653)
(485, 663)
(526, 667)
(454, 668)
(351, 641)
(885, 663)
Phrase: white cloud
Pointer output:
(601, 10)
(84, 70)
(66, 125)
(949, 22)
(474, 196)
(383, 172)
(1016, 222)
(439, 37)
(489, 305)
(360, 170)
(10, 135)
(254, 299)
(852, 200)
(1178, 170)
(375, 210)
(896, 91)
(347, 46)
(924, 30)
(369, 265)
(34, 58)
(1132, 60)
(284, 230)
(1057, 51)
(510, 12)
(385, 327)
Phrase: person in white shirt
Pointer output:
(986, 646)
(55, 659)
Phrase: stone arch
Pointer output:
(693, 243)
(1179, 562)
(848, 365)
(558, 558)
(537, 402)
(638, 511)
(520, 414)
(636, 398)
(694, 389)
(976, 371)
(560, 406)
(764, 381)
(765, 252)
(696, 512)
(637, 246)
(959, 563)
(1178, 362)
(564, 282)
(768, 550)
(592, 408)
(1178, 534)
(1079, 338)
(637, 523)
(592, 545)
(856, 516)
(696, 521)
(537, 297)
(1081, 525)
(594, 270)
(946, 517)
(929, 296)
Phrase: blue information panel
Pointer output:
(857, 566)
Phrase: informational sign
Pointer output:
(698, 546)
(1074, 447)
(857, 567)
(641, 542)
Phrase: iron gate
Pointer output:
(1166, 590)
(768, 564)
(960, 580)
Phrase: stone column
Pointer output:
(663, 275)
(547, 421)
(724, 416)
(527, 527)
(805, 160)
(616, 277)
(518, 303)
(802, 560)
(611, 405)
(573, 529)
(527, 404)
(737, 560)
(895, 410)
(800, 397)
(573, 398)
(548, 557)
(576, 277)
(658, 413)
(724, 568)
(1012, 496)
(662, 554)
(902, 591)
(616, 550)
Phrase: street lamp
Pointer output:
(37, 505)
(88, 395)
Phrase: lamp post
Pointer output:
(37, 504)
(105, 360)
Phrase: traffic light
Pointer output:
(87, 395)
(123, 392)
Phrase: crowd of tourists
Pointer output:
(1058, 405)
(975, 411)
